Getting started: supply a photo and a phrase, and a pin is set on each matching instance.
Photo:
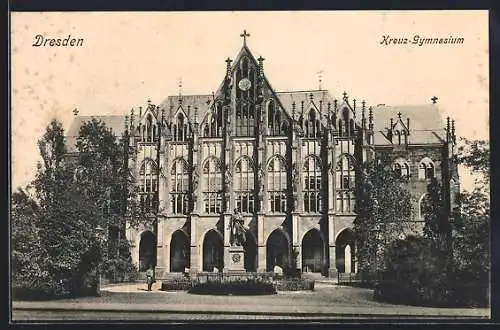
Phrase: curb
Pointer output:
(263, 313)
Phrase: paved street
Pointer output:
(132, 302)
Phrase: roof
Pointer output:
(426, 123)
(172, 103)
(115, 122)
(288, 98)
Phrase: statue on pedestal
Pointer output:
(237, 229)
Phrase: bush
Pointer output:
(415, 274)
(418, 274)
(234, 288)
(24, 290)
(180, 283)
(295, 284)
(120, 270)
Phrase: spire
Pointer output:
(453, 131)
(320, 78)
(140, 113)
(363, 115)
(244, 35)
(448, 130)
(228, 66)
(261, 65)
(195, 117)
(335, 105)
(180, 89)
(293, 110)
(126, 124)
(132, 119)
(370, 118)
(354, 105)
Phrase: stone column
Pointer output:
(296, 244)
(261, 244)
(195, 253)
(300, 181)
(227, 235)
(332, 262)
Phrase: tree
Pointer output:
(385, 211)
(103, 178)
(472, 223)
(29, 265)
(437, 226)
(65, 217)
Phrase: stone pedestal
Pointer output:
(236, 259)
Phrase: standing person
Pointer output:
(149, 277)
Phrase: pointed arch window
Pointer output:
(150, 131)
(345, 176)
(347, 126)
(212, 193)
(312, 125)
(277, 185)
(244, 185)
(312, 184)
(148, 186)
(423, 204)
(401, 168)
(213, 123)
(426, 169)
(179, 178)
(273, 118)
(181, 129)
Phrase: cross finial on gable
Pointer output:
(245, 35)
(75, 111)
(399, 115)
(434, 99)
(345, 95)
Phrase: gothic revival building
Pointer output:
(287, 161)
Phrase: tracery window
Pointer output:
(148, 186)
(179, 178)
(276, 184)
(149, 131)
(181, 130)
(345, 176)
(312, 184)
(274, 120)
(212, 193)
(213, 124)
(312, 125)
(426, 169)
(423, 204)
(244, 185)
(245, 103)
(401, 168)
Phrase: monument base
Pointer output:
(236, 259)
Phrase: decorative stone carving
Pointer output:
(295, 176)
(228, 177)
(196, 177)
(238, 229)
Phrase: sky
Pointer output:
(128, 57)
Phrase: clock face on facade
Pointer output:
(244, 84)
